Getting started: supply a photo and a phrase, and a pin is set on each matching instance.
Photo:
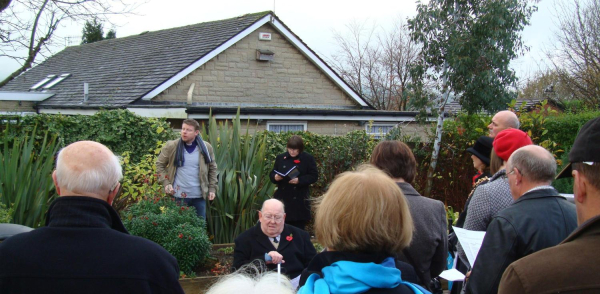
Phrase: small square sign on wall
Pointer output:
(264, 36)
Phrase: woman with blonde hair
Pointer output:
(364, 222)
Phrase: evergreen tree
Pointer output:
(112, 34)
(93, 31)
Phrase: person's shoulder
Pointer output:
(171, 143)
(245, 235)
(306, 155)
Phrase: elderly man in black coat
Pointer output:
(272, 241)
(84, 247)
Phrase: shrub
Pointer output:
(176, 228)
(5, 214)
(26, 185)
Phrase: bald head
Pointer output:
(503, 120)
(273, 204)
(87, 168)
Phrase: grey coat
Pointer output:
(428, 250)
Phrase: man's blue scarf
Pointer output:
(179, 160)
(346, 277)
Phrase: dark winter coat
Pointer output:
(85, 249)
(295, 197)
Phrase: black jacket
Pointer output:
(327, 258)
(537, 220)
(294, 245)
(85, 249)
(295, 197)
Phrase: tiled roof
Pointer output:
(121, 70)
(454, 107)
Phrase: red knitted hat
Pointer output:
(509, 140)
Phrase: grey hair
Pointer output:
(252, 279)
(98, 179)
(536, 164)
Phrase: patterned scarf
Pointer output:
(179, 160)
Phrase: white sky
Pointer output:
(312, 20)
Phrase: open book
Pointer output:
(290, 174)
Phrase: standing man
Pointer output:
(572, 266)
(272, 241)
(187, 168)
(539, 218)
(503, 120)
(84, 247)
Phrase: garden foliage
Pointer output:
(243, 180)
(26, 187)
(176, 228)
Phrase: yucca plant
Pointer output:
(26, 177)
(243, 182)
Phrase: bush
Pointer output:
(119, 130)
(5, 214)
(176, 228)
(26, 185)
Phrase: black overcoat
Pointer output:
(295, 197)
(294, 245)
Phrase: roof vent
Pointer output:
(143, 33)
(264, 55)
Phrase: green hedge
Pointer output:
(119, 130)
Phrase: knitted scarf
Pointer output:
(179, 160)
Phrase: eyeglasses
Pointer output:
(513, 171)
(278, 218)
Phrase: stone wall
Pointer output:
(17, 106)
(235, 77)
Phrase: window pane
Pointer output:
(285, 128)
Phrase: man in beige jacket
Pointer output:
(187, 168)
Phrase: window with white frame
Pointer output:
(286, 126)
(379, 130)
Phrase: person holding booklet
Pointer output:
(294, 171)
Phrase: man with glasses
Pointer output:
(539, 218)
(274, 242)
(572, 266)
(84, 247)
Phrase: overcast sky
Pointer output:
(314, 21)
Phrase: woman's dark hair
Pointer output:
(396, 159)
(295, 142)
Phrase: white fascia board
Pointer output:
(176, 78)
(310, 55)
(69, 111)
(160, 112)
(288, 117)
(24, 96)
(20, 113)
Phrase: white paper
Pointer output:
(470, 242)
(295, 282)
(452, 275)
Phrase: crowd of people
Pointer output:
(379, 234)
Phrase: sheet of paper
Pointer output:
(295, 281)
(470, 242)
(452, 275)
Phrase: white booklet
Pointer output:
(470, 242)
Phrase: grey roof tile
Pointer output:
(121, 70)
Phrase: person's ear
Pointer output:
(55, 182)
(579, 186)
(113, 193)
(259, 215)
(284, 216)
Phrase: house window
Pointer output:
(286, 126)
(378, 130)
(56, 81)
(42, 82)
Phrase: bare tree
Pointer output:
(576, 54)
(376, 62)
(27, 27)
(544, 85)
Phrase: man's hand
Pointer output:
(211, 196)
(275, 257)
(278, 177)
(169, 189)
(294, 181)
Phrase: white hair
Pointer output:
(96, 179)
(251, 279)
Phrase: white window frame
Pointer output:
(56, 81)
(374, 126)
(42, 82)
(287, 123)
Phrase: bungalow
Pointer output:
(253, 62)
